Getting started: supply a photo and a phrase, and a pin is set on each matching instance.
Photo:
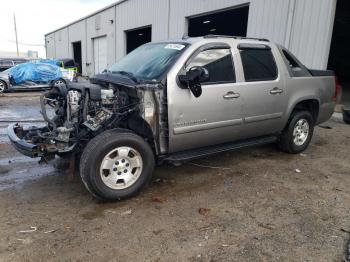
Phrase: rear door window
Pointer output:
(258, 64)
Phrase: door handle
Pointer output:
(276, 91)
(231, 95)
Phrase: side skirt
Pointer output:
(205, 151)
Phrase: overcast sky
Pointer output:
(35, 18)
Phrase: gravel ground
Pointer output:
(256, 204)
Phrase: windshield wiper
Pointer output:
(128, 74)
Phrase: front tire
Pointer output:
(3, 86)
(297, 135)
(116, 165)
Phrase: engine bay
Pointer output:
(77, 113)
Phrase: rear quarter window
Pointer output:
(258, 65)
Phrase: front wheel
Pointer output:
(297, 135)
(3, 87)
(116, 165)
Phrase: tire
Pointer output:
(58, 82)
(299, 122)
(106, 158)
(346, 116)
(3, 87)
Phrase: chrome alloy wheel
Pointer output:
(121, 167)
(301, 132)
(2, 87)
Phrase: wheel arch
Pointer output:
(310, 104)
(139, 126)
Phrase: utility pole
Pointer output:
(14, 19)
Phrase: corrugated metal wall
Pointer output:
(134, 14)
(180, 10)
(311, 31)
(269, 18)
(99, 25)
(303, 26)
(76, 32)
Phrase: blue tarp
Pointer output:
(36, 72)
(49, 61)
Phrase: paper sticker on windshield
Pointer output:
(174, 46)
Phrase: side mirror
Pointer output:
(193, 79)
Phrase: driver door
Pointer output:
(216, 115)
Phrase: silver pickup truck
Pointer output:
(178, 100)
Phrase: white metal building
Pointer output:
(98, 40)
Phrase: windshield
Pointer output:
(149, 61)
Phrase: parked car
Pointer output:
(178, 100)
(6, 63)
(69, 64)
(32, 76)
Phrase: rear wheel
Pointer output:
(297, 135)
(116, 165)
(3, 86)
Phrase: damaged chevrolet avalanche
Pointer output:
(175, 101)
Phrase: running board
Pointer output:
(205, 151)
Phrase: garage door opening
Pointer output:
(77, 54)
(339, 56)
(233, 22)
(137, 37)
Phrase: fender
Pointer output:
(293, 103)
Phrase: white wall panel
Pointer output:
(312, 31)
(50, 45)
(106, 27)
(134, 14)
(268, 19)
(61, 43)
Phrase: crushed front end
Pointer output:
(79, 112)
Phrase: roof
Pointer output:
(87, 16)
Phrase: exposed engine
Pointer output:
(80, 112)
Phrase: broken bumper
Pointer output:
(15, 132)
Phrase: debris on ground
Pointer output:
(297, 171)
(211, 167)
(325, 127)
(162, 180)
(32, 229)
(159, 199)
(226, 245)
(204, 211)
(50, 231)
(268, 226)
(126, 213)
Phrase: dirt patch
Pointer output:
(248, 205)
